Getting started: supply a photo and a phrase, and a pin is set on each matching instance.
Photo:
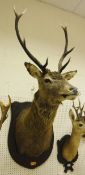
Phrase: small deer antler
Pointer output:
(23, 43)
(65, 53)
(79, 110)
(4, 110)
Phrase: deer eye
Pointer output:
(47, 80)
(80, 125)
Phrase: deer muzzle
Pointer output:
(75, 91)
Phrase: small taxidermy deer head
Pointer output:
(54, 84)
(78, 118)
(69, 144)
(4, 110)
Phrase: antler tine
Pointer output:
(84, 112)
(79, 104)
(4, 110)
(23, 43)
(76, 109)
(81, 108)
(65, 53)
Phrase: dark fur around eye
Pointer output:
(80, 125)
(47, 81)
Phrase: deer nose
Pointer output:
(74, 90)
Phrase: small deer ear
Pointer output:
(71, 115)
(33, 70)
(69, 75)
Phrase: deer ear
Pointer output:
(71, 115)
(69, 75)
(33, 70)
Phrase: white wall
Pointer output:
(41, 26)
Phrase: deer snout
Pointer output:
(74, 90)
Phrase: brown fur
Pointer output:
(34, 125)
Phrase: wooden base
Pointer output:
(68, 165)
(24, 160)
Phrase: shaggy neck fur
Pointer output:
(45, 109)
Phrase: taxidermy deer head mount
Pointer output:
(4, 110)
(68, 144)
(53, 86)
(70, 148)
(36, 122)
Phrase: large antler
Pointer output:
(23, 43)
(65, 53)
(79, 110)
(4, 110)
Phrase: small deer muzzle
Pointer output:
(74, 91)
